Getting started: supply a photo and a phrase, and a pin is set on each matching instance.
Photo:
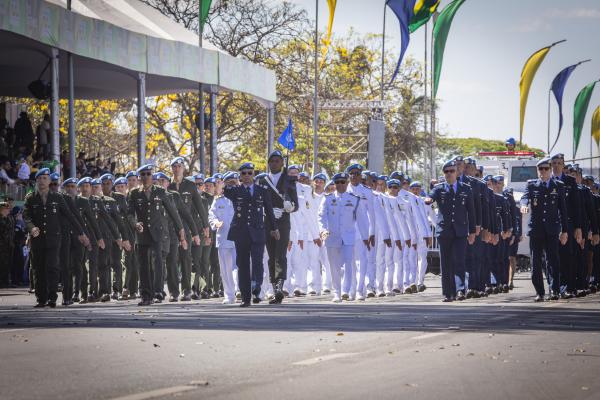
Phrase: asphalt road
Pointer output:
(504, 347)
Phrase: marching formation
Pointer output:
(356, 236)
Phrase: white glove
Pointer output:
(278, 212)
(288, 206)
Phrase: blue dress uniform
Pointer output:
(589, 225)
(547, 205)
(489, 249)
(566, 252)
(251, 223)
(503, 208)
(46, 214)
(595, 276)
(147, 208)
(475, 252)
(517, 228)
(456, 220)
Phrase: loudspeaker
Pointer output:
(41, 90)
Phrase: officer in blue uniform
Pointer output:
(475, 252)
(502, 251)
(568, 265)
(545, 198)
(491, 245)
(455, 227)
(252, 219)
(513, 248)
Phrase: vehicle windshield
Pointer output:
(523, 173)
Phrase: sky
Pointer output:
(488, 44)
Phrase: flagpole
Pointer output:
(549, 93)
(383, 53)
(316, 93)
(201, 156)
(425, 111)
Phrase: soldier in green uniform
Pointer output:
(201, 254)
(174, 246)
(132, 279)
(78, 251)
(116, 228)
(146, 206)
(117, 208)
(66, 241)
(42, 213)
(193, 202)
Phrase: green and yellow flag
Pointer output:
(527, 75)
(579, 110)
(596, 126)
(424, 9)
(327, 40)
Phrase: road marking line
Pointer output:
(429, 335)
(316, 360)
(157, 393)
(12, 330)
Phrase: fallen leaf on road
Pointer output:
(456, 344)
(181, 355)
(411, 385)
(199, 383)
(340, 334)
(580, 350)
(139, 332)
(585, 388)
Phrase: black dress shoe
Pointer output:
(447, 300)
(511, 286)
(195, 296)
(421, 288)
(173, 298)
(245, 304)
(105, 298)
(505, 288)
(203, 295)
(40, 305)
(469, 293)
(277, 298)
(539, 298)
(52, 304)
(460, 296)
(255, 299)
(75, 299)
(146, 302)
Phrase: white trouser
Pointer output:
(385, 270)
(372, 265)
(226, 266)
(340, 257)
(361, 257)
(267, 287)
(410, 267)
(326, 269)
(311, 259)
(300, 261)
(397, 277)
(422, 267)
(295, 269)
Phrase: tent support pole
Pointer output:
(54, 110)
(141, 119)
(213, 133)
(270, 127)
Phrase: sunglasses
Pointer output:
(200, 184)
(449, 171)
(543, 168)
(394, 187)
(354, 173)
(53, 183)
(247, 173)
(145, 173)
(340, 182)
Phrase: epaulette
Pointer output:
(352, 194)
(440, 185)
(530, 181)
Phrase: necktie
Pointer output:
(248, 190)
(452, 189)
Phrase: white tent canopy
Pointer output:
(113, 40)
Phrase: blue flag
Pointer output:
(286, 139)
(404, 10)
(558, 88)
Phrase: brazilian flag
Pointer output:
(424, 9)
